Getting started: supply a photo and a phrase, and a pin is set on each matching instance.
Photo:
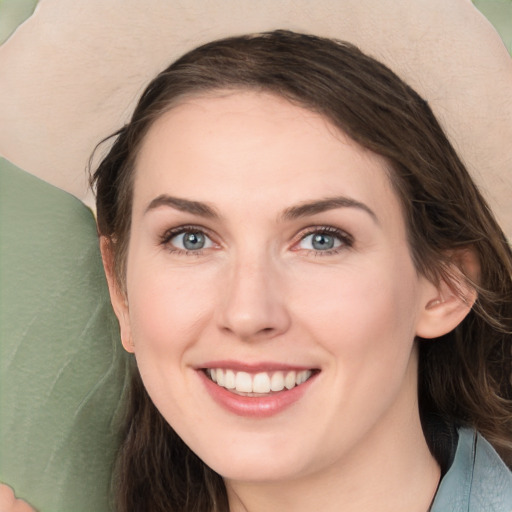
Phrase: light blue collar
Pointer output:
(477, 481)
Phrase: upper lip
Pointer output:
(263, 366)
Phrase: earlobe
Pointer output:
(448, 303)
(117, 295)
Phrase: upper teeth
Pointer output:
(262, 382)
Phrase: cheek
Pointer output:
(364, 315)
(167, 314)
(167, 309)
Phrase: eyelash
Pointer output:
(166, 238)
(347, 241)
(345, 238)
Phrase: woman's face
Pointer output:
(266, 249)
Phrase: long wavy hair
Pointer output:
(465, 376)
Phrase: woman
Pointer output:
(316, 294)
(318, 298)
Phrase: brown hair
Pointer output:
(465, 376)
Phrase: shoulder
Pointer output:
(477, 481)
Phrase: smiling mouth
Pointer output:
(258, 384)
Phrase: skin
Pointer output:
(259, 291)
(9, 502)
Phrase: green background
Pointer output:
(62, 369)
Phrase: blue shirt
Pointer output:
(477, 481)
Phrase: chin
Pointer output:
(256, 463)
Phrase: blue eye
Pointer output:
(190, 240)
(324, 241)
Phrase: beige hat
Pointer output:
(72, 73)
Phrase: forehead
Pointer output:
(247, 145)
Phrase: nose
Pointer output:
(253, 304)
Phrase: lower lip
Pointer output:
(255, 406)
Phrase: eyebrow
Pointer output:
(291, 213)
(323, 205)
(183, 205)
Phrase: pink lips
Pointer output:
(254, 406)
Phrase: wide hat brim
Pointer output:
(72, 73)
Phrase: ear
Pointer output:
(117, 295)
(446, 304)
